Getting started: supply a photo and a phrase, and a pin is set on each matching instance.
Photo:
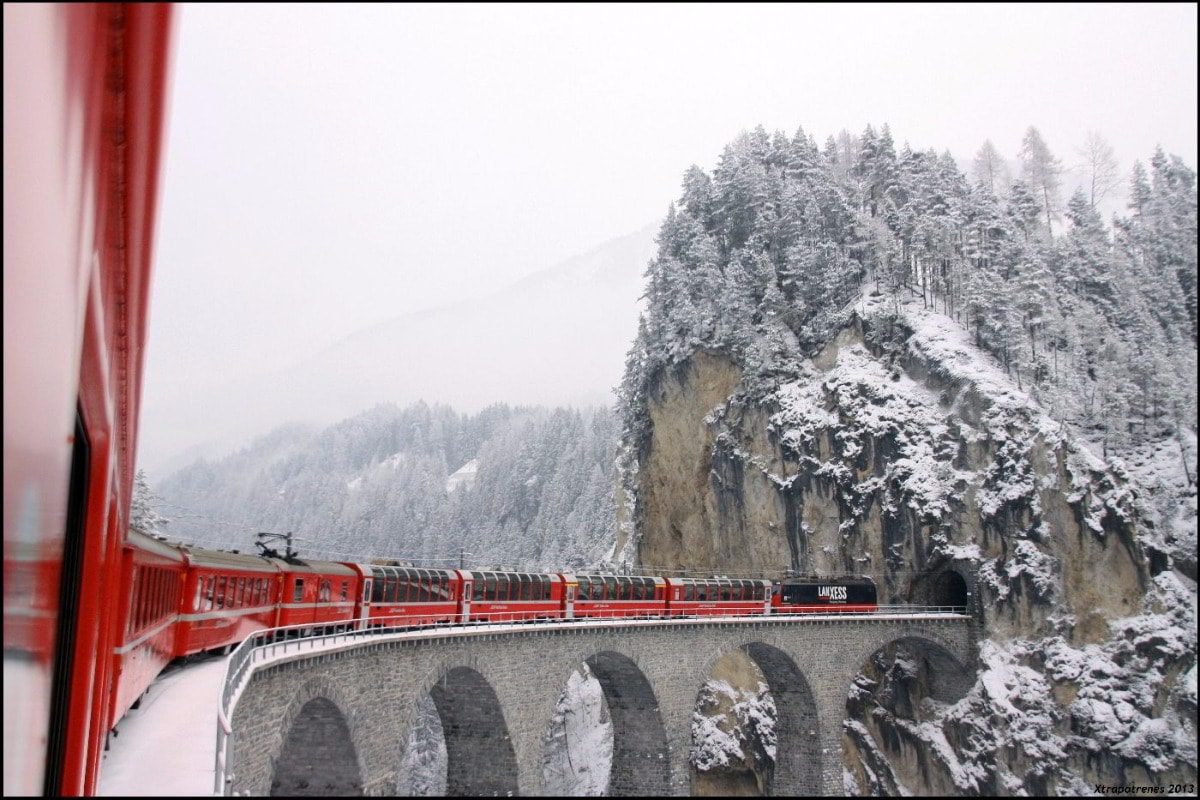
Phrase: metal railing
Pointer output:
(265, 646)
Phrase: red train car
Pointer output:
(717, 596)
(316, 593)
(84, 94)
(415, 596)
(152, 583)
(511, 596)
(616, 596)
(226, 597)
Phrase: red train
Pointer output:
(84, 93)
(92, 611)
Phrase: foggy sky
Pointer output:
(331, 167)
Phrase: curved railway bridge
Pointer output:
(331, 714)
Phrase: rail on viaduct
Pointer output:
(336, 721)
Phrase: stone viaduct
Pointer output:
(336, 721)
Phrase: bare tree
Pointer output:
(1099, 166)
(989, 169)
(1043, 172)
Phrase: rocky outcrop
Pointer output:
(902, 453)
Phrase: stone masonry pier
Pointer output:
(336, 721)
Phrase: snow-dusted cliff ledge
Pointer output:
(901, 451)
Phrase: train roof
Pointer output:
(827, 579)
(574, 576)
(479, 573)
(397, 570)
(718, 579)
(313, 567)
(222, 559)
(153, 545)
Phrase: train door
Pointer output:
(364, 612)
(570, 600)
(467, 583)
(766, 586)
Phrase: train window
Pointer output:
(137, 596)
(610, 585)
(489, 587)
(239, 597)
(502, 587)
(521, 584)
(427, 584)
(477, 588)
(345, 591)
(581, 593)
(325, 592)
(160, 589)
(547, 588)
(220, 593)
(298, 590)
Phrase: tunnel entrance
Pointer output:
(949, 589)
(318, 757)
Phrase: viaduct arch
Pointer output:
(496, 691)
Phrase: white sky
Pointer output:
(329, 167)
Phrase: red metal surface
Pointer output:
(84, 90)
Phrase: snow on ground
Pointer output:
(579, 745)
(166, 747)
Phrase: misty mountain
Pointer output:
(556, 337)
(518, 486)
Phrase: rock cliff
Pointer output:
(900, 451)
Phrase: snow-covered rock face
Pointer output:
(733, 730)
(902, 452)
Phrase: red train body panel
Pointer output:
(616, 596)
(512, 596)
(316, 593)
(225, 598)
(409, 596)
(153, 577)
(703, 597)
(84, 92)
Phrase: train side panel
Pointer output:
(84, 89)
(226, 597)
(152, 583)
(414, 596)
